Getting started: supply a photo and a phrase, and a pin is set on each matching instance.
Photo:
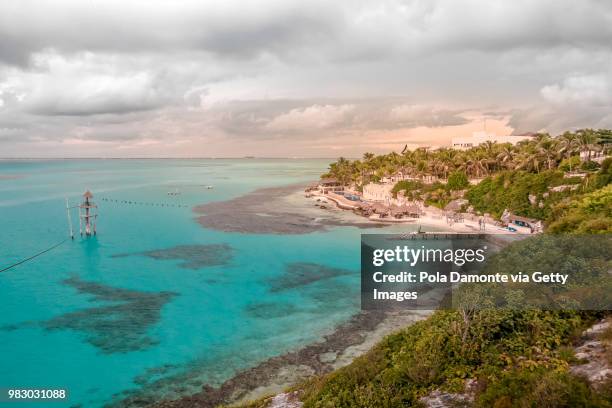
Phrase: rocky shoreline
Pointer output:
(274, 375)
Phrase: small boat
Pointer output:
(174, 193)
(209, 187)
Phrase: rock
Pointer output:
(439, 399)
(532, 199)
(505, 216)
(285, 400)
(329, 357)
(592, 354)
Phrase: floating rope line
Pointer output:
(130, 202)
(33, 256)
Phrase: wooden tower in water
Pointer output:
(88, 213)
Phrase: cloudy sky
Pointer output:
(314, 78)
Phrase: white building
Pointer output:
(593, 155)
(399, 176)
(378, 192)
(477, 138)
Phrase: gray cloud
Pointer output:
(81, 75)
(344, 29)
(576, 101)
(224, 28)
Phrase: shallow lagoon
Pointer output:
(149, 299)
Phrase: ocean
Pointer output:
(165, 299)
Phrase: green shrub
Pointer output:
(511, 190)
(457, 180)
(538, 388)
(589, 165)
(592, 213)
(570, 164)
(407, 186)
(604, 175)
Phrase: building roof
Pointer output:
(380, 208)
(329, 181)
(411, 209)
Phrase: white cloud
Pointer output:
(589, 89)
(82, 85)
(311, 117)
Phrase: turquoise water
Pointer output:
(101, 325)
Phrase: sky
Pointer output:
(168, 78)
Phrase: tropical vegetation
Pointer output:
(543, 152)
(534, 178)
(517, 358)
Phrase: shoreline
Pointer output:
(338, 348)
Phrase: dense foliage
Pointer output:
(457, 180)
(512, 189)
(436, 194)
(590, 213)
(519, 359)
(542, 153)
(586, 258)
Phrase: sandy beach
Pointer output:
(431, 219)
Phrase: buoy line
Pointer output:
(150, 204)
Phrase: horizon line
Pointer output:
(170, 158)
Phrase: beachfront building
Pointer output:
(378, 192)
(399, 176)
(592, 155)
(477, 138)
(327, 185)
(424, 178)
(520, 224)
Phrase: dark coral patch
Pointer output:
(268, 211)
(118, 327)
(304, 273)
(191, 256)
(270, 310)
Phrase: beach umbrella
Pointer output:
(411, 210)
(395, 210)
(380, 208)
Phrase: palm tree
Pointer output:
(586, 141)
(341, 170)
(368, 156)
(604, 139)
(548, 150)
(507, 156)
(530, 159)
